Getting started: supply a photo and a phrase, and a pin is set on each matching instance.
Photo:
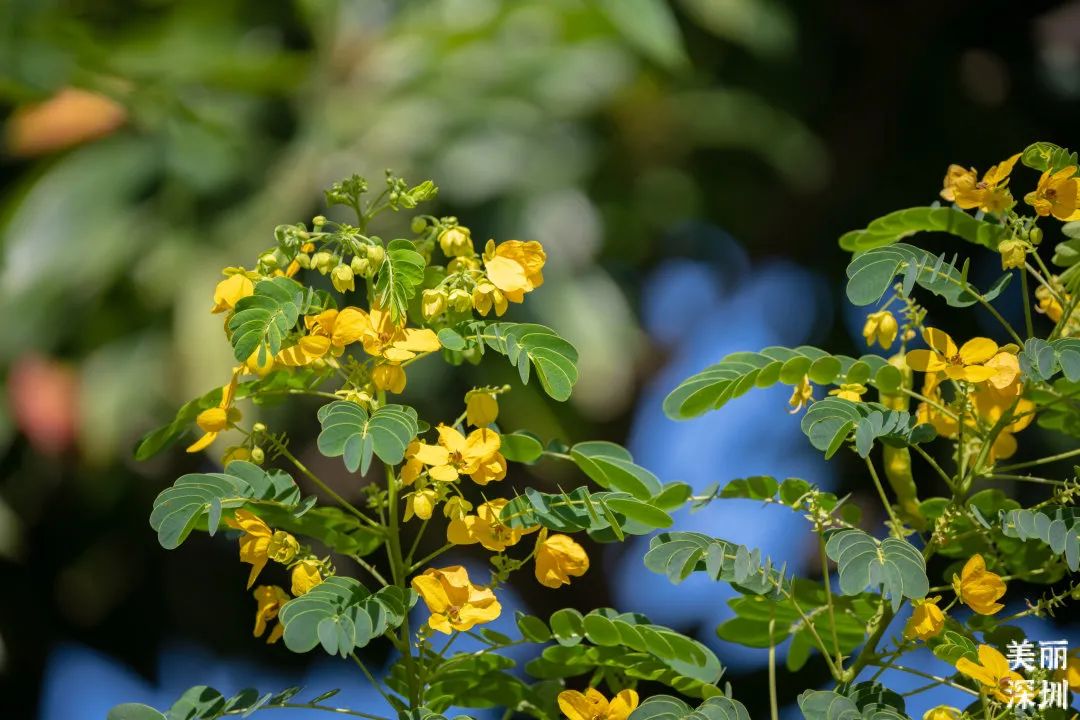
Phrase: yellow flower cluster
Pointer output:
(260, 544)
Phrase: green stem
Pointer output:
(829, 599)
(933, 463)
(1040, 461)
(834, 670)
(399, 573)
(303, 706)
(370, 568)
(774, 706)
(928, 676)
(370, 678)
(867, 653)
(1028, 325)
(284, 451)
(1004, 323)
(428, 558)
(885, 499)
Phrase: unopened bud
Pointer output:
(375, 256)
(359, 265)
(318, 221)
(456, 241)
(418, 225)
(1035, 235)
(257, 455)
(433, 303)
(258, 428)
(342, 278)
(460, 300)
(268, 260)
(303, 260)
(322, 261)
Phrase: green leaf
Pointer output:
(740, 372)
(951, 646)
(338, 530)
(611, 467)
(476, 681)
(892, 564)
(532, 628)
(678, 554)
(871, 274)
(1058, 527)
(666, 707)
(1042, 360)
(349, 432)
(342, 615)
(829, 422)
(554, 359)
(828, 705)
(900, 224)
(451, 339)
(617, 635)
(134, 711)
(262, 321)
(581, 510)
(1045, 156)
(872, 694)
(193, 497)
(401, 273)
(521, 447)
(650, 26)
(198, 703)
(756, 487)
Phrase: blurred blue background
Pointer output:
(688, 165)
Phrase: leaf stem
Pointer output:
(896, 525)
(774, 710)
(1040, 461)
(829, 599)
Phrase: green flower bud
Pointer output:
(322, 261)
(318, 221)
(268, 260)
(375, 256)
(460, 300)
(303, 260)
(418, 225)
(342, 278)
(258, 428)
(1035, 235)
(433, 303)
(257, 455)
(359, 265)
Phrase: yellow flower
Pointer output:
(230, 290)
(486, 296)
(558, 558)
(1049, 305)
(306, 574)
(992, 671)
(481, 409)
(389, 377)
(1055, 194)
(433, 303)
(486, 528)
(942, 712)
(421, 504)
(515, 267)
(967, 363)
(456, 507)
(926, 620)
(328, 332)
(849, 391)
(989, 195)
(456, 241)
(801, 396)
(1006, 368)
(880, 327)
(592, 705)
(978, 588)
(454, 602)
(1013, 254)
(477, 456)
(216, 420)
(957, 177)
(270, 598)
(260, 544)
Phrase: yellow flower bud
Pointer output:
(433, 303)
(258, 428)
(1013, 254)
(268, 260)
(283, 547)
(927, 620)
(342, 278)
(375, 256)
(1035, 235)
(459, 300)
(389, 377)
(305, 576)
(235, 453)
(303, 260)
(880, 327)
(457, 507)
(421, 504)
(942, 712)
(257, 455)
(481, 409)
(322, 261)
(558, 558)
(456, 241)
(359, 265)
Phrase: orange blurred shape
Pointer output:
(43, 394)
(68, 118)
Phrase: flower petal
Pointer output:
(978, 350)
